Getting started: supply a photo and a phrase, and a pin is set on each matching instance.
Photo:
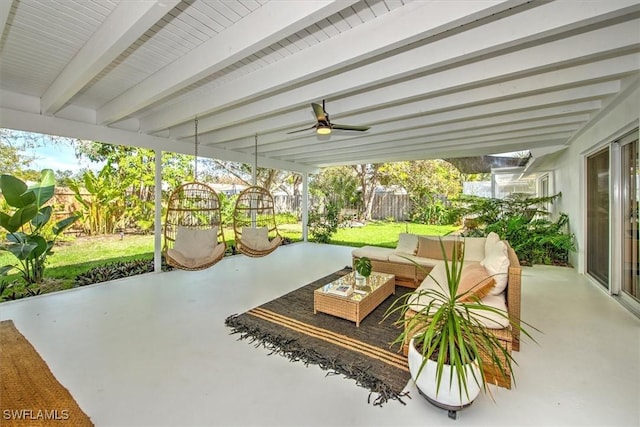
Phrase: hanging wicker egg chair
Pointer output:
(254, 223)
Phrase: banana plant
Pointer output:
(25, 224)
(103, 207)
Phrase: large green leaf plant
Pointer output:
(25, 222)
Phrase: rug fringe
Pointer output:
(289, 348)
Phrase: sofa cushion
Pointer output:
(404, 258)
(430, 248)
(437, 280)
(373, 253)
(490, 319)
(475, 282)
(474, 248)
(496, 261)
(407, 243)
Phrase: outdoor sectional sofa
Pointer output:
(497, 258)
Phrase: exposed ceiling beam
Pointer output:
(451, 130)
(276, 20)
(438, 55)
(30, 122)
(487, 147)
(561, 98)
(428, 143)
(129, 21)
(395, 29)
(5, 8)
(447, 152)
(552, 80)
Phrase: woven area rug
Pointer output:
(29, 393)
(287, 326)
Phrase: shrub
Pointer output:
(524, 223)
(435, 212)
(116, 270)
(322, 225)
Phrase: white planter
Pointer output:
(360, 279)
(449, 394)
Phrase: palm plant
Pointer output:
(447, 329)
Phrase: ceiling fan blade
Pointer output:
(349, 127)
(302, 130)
(319, 112)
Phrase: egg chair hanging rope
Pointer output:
(193, 234)
(254, 221)
(195, 159)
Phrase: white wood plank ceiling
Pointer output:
(432, 79)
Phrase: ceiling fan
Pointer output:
(324, 126)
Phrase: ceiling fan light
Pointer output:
(323, 130)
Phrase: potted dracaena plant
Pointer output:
(447, 340)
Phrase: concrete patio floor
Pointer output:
(153, 350)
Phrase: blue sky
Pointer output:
(57, 157)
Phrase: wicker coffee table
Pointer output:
(364, 299)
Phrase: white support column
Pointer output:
(305, 206)
(254, 174)
(157, 242)
(254, 167)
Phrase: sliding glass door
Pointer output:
(630, 197)
(598, 216)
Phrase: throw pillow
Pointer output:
(490, 240)
(496, 261)
(476, 281)
(430, 248)
(194, 242)
(407, 243)
(255, 238)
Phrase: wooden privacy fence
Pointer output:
(389, 205)
(385, 205)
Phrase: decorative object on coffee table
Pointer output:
(363, 270)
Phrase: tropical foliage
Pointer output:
(101, 198)
(525, 222)
(25, 224)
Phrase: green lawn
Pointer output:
(382, 233)
(79, 255)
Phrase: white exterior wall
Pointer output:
(569, 174)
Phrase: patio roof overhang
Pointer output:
(432, 80)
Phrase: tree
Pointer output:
(131, 181)
(14, 144)
(12, 161)
(267, 178)
(368, 175)
(426, 182)
(338, 183)
(352, 186)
